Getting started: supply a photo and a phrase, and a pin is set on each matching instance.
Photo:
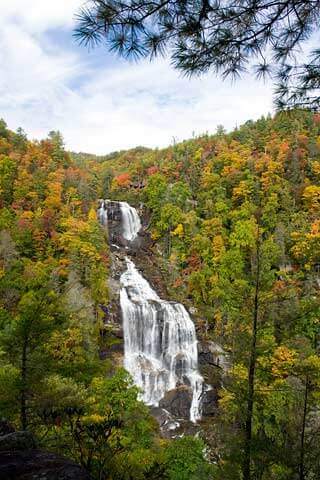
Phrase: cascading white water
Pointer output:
(160, 342)
(130, 221)
(129, 218)
(102, 213)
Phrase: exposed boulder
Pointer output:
(17, 441)
(178, 401)
(167, 423)
(20, 460)
(37, 464)
(161, 415)
(5, 427)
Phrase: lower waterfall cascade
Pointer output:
(160, 344)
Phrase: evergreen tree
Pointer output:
(213, 35)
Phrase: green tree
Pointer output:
(8, 170)
(179, 193)
(155, 192)
(19, 140)
(4, 132)
(58, 153)
(35, 314)
(184, 459)
(170, 216)
(105, 427)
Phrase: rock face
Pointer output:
(210, 402)
(36, 464)
(17, 441)
(5, 427)
(121, 219)
(114, 223)
(213, 364)
(20, 460)
(210, 353)
(178, 401)
(167, 423)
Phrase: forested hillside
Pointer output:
(53, 279)
(235, 218)
(234, 221)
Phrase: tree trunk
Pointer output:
(246, 466)
(23, 390)
(302, 438)
(168, 243)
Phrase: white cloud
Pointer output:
(38, 16)
(112, 106)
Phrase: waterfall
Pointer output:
(102, 212)
(130, 221)
(160, 344)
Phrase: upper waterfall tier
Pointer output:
(122, 212)
(160, 342)
(130, 221)
(102, 212)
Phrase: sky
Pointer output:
(99, 102)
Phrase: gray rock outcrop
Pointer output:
(21, 460)
(178, 401)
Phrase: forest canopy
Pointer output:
(236, 219)
(234, 225)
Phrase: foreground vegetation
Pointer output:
(236, 217)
